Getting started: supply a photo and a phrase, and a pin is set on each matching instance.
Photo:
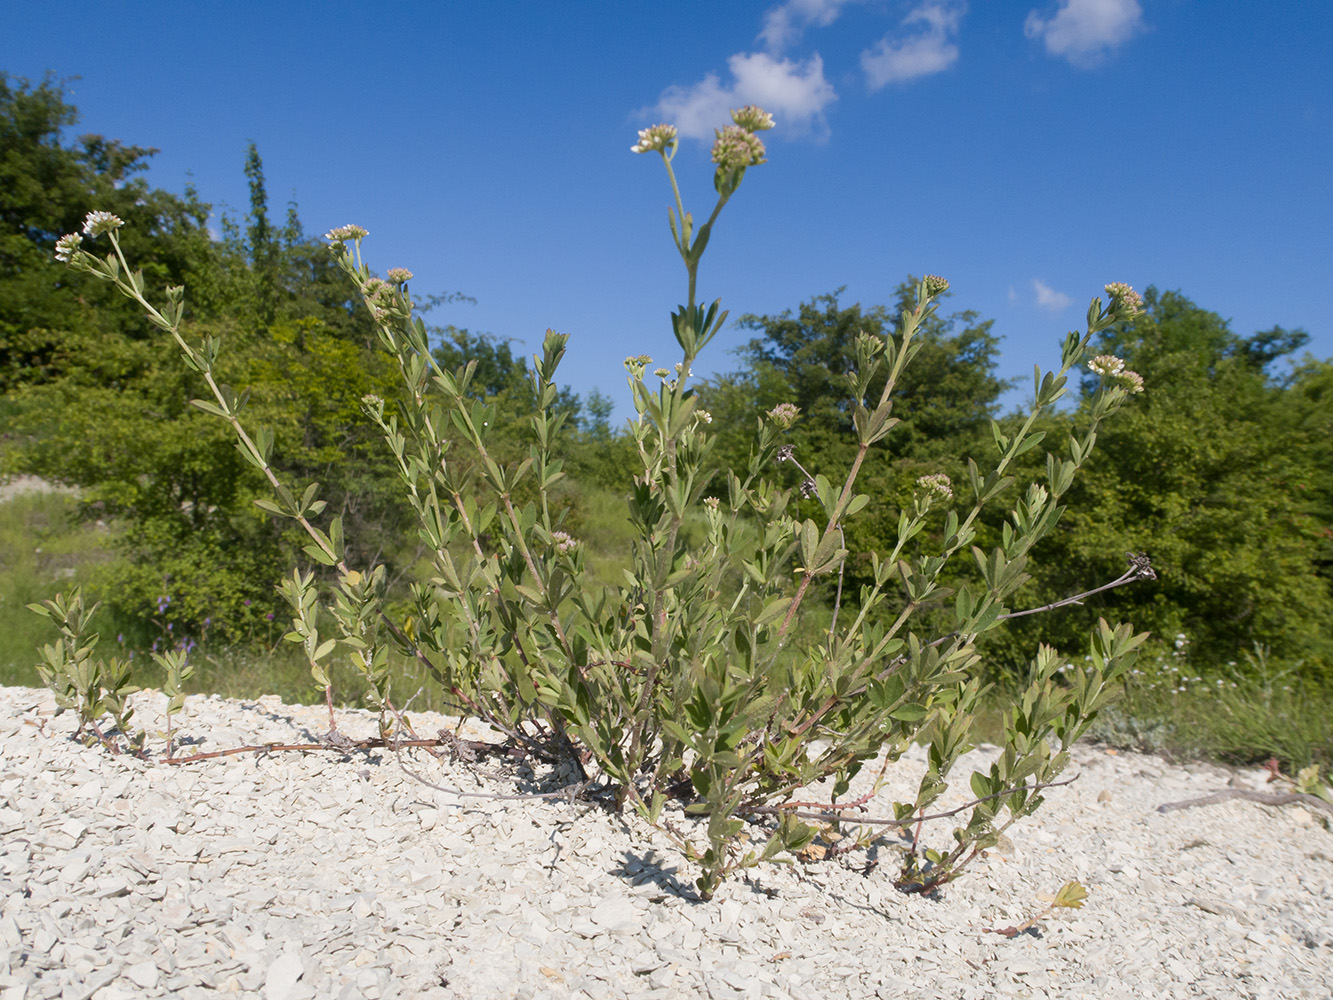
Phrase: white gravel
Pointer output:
(297, 875)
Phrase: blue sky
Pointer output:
(1029, 151)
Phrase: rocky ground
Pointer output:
(295, 875)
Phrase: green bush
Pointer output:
(691, 676)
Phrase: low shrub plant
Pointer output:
(687, 684)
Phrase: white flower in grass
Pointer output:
(655, 139)
(67, 247)
(98, 223)
(937, 483)
(344, 233)
(1106, 365)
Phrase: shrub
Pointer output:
(690, 678)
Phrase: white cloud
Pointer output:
(1048, 297)
(795, 93)
(784, 23)
(928, 49)
(1082, 31)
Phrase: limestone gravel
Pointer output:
(297, 875)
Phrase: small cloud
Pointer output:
(795, 93)
(1013, 296)
(1083, 31)
(1048, 297)
(784, 23)
(929, 49)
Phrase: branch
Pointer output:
(835, 815)
(1268, 798)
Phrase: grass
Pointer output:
(1237, 713)
(1242, 713)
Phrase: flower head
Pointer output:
(655, 139)
(1125, 302)
(711, 503)
(1106, 365)
(752, 118)
(399, 275)
(98, 223)
(1131, 382)
(344, 233)
(67, 247)
(735, 149)
(937, 483)
(935, 285)
(784, 415)
(563, 541)
(703, 416)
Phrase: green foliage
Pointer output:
(687, 676)
(95, 401)
(93, 688)
(50, 318)
(1222, 474)
(1244, 712)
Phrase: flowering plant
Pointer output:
(687, 686)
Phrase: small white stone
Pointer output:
(143, 974)
(281, 978)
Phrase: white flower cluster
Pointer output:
(344, 233)
(67, 246)
(655, 139)
(399, 275)
(1124, 300)
(784, 414)
(98, 223)
(752, 118)
(736, 148)
(1106, 365)
(563, 541)
(1109, 366)
(937, 483)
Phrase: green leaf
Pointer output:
(909, 712)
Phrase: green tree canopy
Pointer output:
(1220, 472)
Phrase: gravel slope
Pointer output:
(298, 875)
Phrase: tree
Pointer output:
(99, 398)
(944, 400)
(49, 317)
(1219, 471)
